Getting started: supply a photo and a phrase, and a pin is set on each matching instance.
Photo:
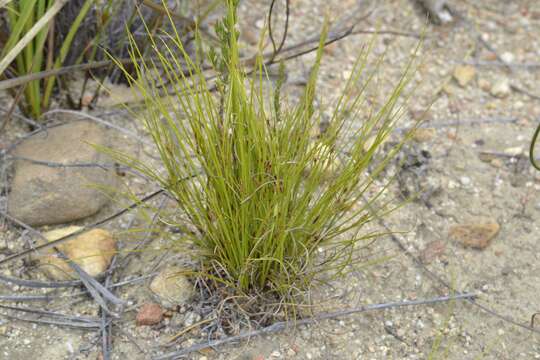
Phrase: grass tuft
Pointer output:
(273, 208)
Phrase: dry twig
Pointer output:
(283, 325)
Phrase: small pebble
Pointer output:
(476, 235)
(464, 74)
(465, 180)
(484, 84)
(501, 88)
(149, 314)
(507, 57)
(191, 318)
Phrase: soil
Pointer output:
(473, 170)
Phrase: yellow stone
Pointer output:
(92, 251)
(464, 74)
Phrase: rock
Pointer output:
(191, 318)
(171, 288)
(41, 194)
(476, 236)
(291, 352)
(420, 114)
(92, 251)
(448, 89)
(259, 23)
(149, 314)
(484, 85)
(501, 88)
(464, 74)
(432, 251)
(421, 135)
(497, 163)
(492, 105)
(330, 49)
(438, 11)
(465, 180)
(507, 57)
(490, 56)
(249, 35)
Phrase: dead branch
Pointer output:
(283, 325)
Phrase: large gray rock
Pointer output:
(42, 194)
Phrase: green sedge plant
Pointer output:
(267, 208)
(35, 56)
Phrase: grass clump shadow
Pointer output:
(271, 209)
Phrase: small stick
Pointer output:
(10, 83)
(501, 64)
(39, 284)
(24, 119)
(61, 165)
(461, 122)
(500, 154)
(100, 121)
(186, 330)
(283, 325)
(75, 324)
(525, 92)
(49, 313)
(342, 33)
(20, 298)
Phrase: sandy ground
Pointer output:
(459, 184)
